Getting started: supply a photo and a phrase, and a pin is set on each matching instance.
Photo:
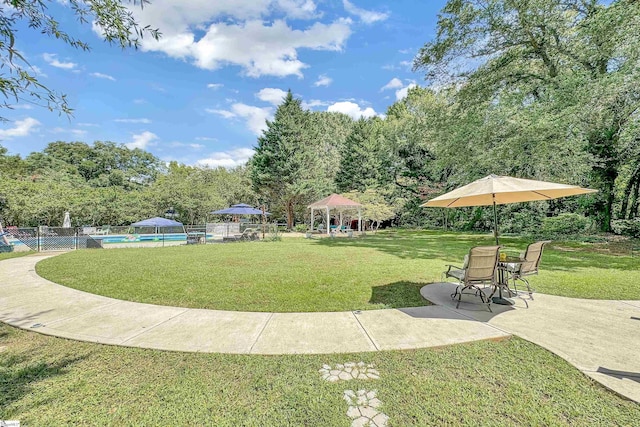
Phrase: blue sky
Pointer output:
(201, 95)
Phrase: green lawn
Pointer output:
(7, 255)
(46, 381)
(377, 271)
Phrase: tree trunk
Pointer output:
(635, 201)
(290, 215)
(602, 145)
(630, 191)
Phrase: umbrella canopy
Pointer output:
(239, 209)
(499, 190)
(66, 222)
(157, 222)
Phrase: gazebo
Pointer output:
(339, 203)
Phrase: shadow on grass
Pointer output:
(414, 245)
(452, 247)
(23, 366)
(398, 295)
(18, 375)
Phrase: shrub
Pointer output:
(626, 227)
(300, 228)
(565, 224)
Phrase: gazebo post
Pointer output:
(311, 220)
(340, 220)
(360, 220)
(328, 219)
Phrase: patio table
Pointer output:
(503, 280)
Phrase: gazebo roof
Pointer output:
(334, 201)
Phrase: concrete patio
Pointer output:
(601, 338)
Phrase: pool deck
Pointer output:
(601, 338)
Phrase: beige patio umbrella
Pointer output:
(500, 190)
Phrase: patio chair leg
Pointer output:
(528, 288)
(458, 292)
(515, 287)
(453, 295)
(484, 299)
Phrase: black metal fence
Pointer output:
(52, 238)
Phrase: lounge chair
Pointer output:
(479, 269)
(104, 230)
(529, 267)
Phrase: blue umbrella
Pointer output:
(157, 222)
(239, 209)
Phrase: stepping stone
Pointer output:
(349, 371)
(364, 411)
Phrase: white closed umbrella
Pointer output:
(66, 223)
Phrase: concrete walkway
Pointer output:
(601, 338)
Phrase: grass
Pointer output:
(378, 271)
(52, 381)
(8, 255)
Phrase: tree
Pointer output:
(281, 168)
(547, 60)
(374, 206)
(365, 157)
(19, 81)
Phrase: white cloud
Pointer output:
(143, 120)
(394, 83)
(227, 159)
(255, 117)
(323, 80)
(88, 125)
(224, 113)
(21, 128)
(103, 76)
(214, 86)
(139, 101)
(258, 48)
(22, 106)
(271, 95)
(52, 59)
(351, 109)
(175, 16)
(402, 93)
(38, 71)
(313, 103)
(298, 9)
(182, 144)
(205, 138)
(251, 34)
(78, 132)
(142, 140)
(366, 16)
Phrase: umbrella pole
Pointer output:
(495, 220)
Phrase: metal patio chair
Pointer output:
(479, 269)
(530, 266)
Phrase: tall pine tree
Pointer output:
(280, 165)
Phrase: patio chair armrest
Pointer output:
(452, 267)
